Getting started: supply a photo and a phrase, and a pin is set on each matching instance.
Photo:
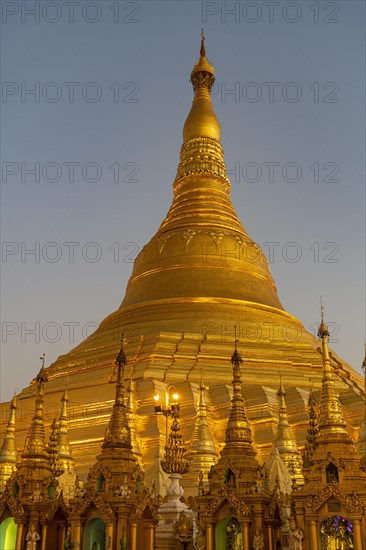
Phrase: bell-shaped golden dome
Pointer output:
(201, 248)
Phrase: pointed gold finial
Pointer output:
(121, 357)
(202, 51)
(236, 358)
(121, 362)
(323, 329)
(281, 395)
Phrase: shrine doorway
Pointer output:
(8, 534)
(336, 533)
(94, 535)
(228, 534)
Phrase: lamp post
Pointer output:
(175, 463)
(169, 408)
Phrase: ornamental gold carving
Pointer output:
(351, 502)
(14, 506)
(224, 494)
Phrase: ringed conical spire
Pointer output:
(310, 444)
(331, 423)
(202, 441)
(131, 419)
(202, 451)
(8, 451)
(238, 433)
(35, 451)
(63, 445)
(56, 464)
(285, 441)
(118, 432)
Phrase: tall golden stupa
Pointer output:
(199, 281)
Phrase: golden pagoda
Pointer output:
(32, 507)
(199, 276)
(235, 504)
(330, 507)
(115, 508)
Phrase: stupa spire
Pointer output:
(238, 433)
(331, 423)
(285, 441)
(63, 445)
(8, 452)
(118, 432)
(310, 444)
(202, 120)
(55, 461)
(35, 447)
(203, 50)
(202, 451)
(131, 418)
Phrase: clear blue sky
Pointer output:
(112, 89)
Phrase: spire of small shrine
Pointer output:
(238, 433)
(8, 452)
(310, 444)
(331, 423)
(285, 441)
(118, 432)
(63, 445)
(35, 450)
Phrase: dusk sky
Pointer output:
(89, 157)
